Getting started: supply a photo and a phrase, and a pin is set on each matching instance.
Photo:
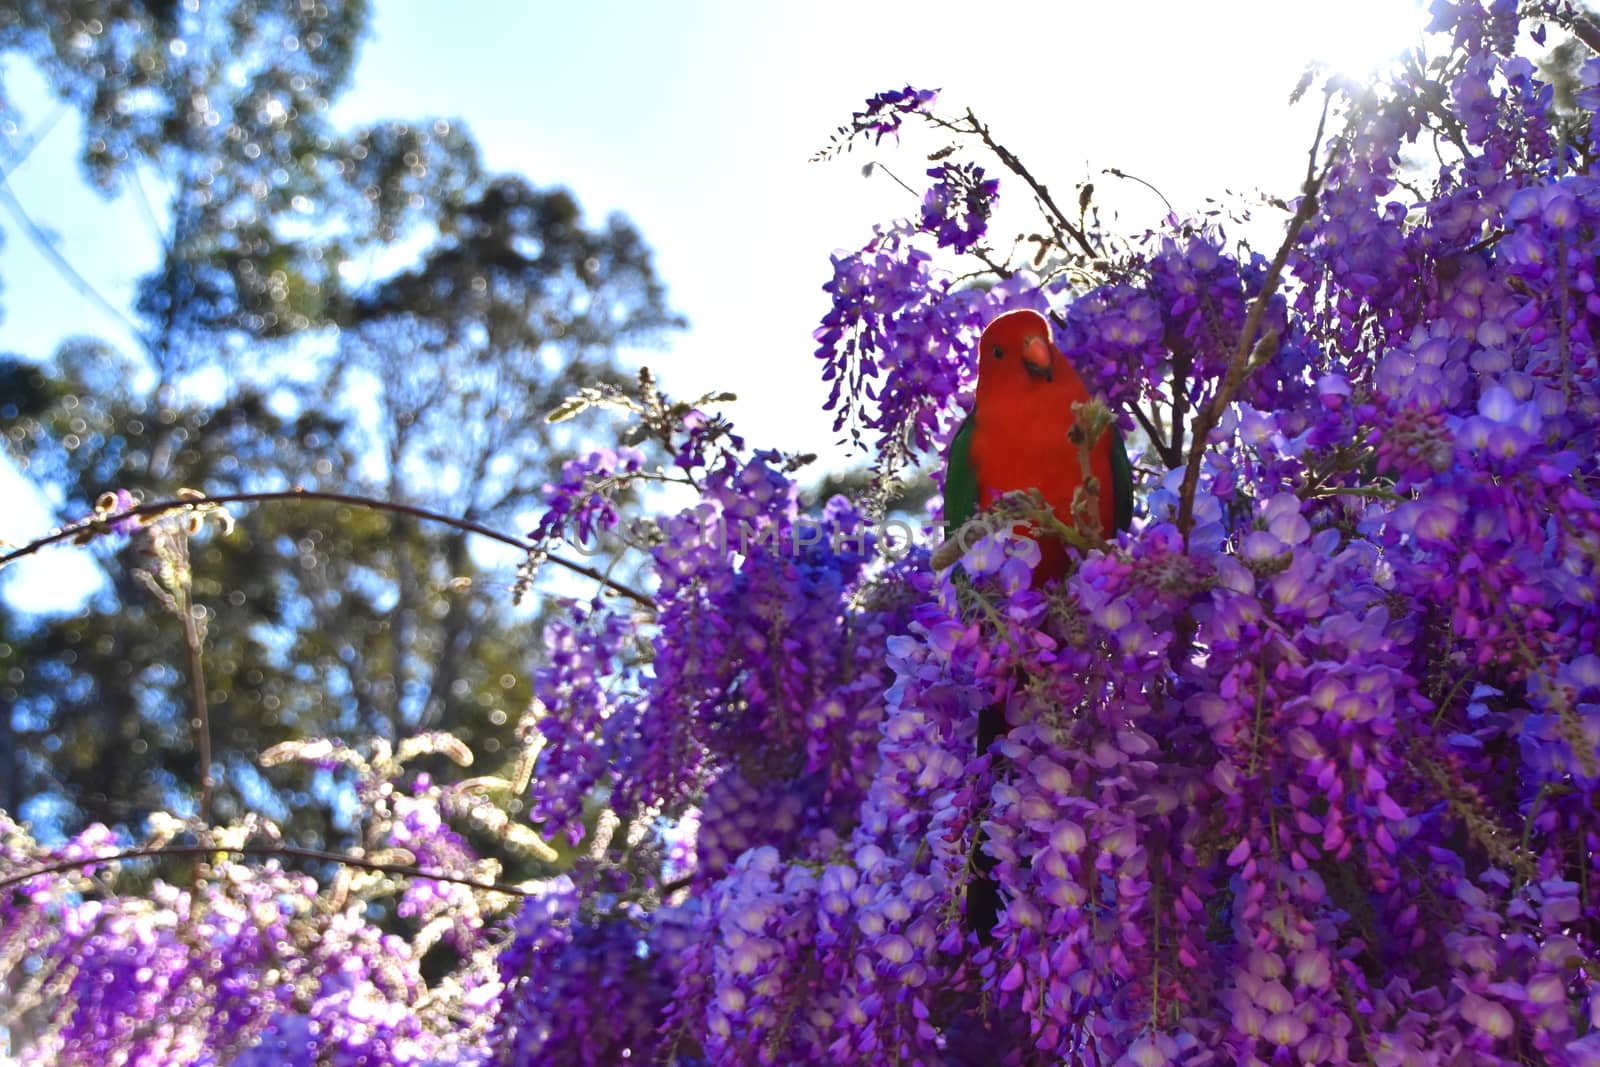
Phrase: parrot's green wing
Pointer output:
(1121, 479)
(960, 478)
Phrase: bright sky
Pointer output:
(696, 121)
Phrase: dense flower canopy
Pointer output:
(1303, 769)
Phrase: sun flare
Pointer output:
(1358, 37)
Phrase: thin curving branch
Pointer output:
(1058, 218)
(161, 507)
(293, 851)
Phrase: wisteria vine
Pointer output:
(1303, 769)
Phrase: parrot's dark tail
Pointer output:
(983, 892)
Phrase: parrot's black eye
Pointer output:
(997, 353)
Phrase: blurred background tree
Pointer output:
(363, 311)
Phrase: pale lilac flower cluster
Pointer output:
(248, 967)
(583, 503)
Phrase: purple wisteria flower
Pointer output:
(957, 206)
(884, 113)
(1310, 780)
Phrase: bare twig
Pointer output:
(161, 507)
(293, 851)
(1170, 456)
(1058, 218)
(202, 710)
(1125, 176)
(63, 266)
(26, 145)
(172, 584)
(1581, 27)
(1182, 364)
(876, 166)
(1248, 345)
(989, 261)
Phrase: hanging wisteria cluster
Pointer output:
(1304, 769)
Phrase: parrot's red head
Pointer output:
(1021, 371)
(1017, 346)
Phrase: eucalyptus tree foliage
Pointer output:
(425, 382)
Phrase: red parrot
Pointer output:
(1017, 437)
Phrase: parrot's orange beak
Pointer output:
(1036, 356)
